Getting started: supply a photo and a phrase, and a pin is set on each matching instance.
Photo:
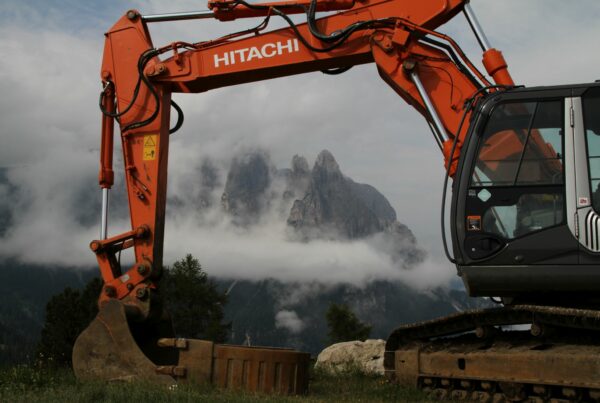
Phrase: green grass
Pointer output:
(25, 384)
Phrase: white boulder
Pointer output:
(365, 355)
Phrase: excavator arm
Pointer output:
(426, 68)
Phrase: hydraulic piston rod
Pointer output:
(493, 60)
(441, 135)
(190, 15)
(104, 219)
(474, 23)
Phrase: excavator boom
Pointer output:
(426, 68)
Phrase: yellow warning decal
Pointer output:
(150, 147)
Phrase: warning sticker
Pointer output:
(150, 147)
(583, 201)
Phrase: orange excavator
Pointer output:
(523, 219)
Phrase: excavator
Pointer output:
(524, 215)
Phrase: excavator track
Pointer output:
(481, 355)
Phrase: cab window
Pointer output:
(521, 145)
(517, 180)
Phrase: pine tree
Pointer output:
(67, 315)
(344, 325)
(193, 301)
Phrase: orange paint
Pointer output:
(241, 58)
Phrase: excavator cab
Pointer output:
(526, 195)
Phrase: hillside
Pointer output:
(272, 313)
(25, 290)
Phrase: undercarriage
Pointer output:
(488, 356)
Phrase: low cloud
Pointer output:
(53, 222)
(270, 249)
(289, 320)
(265, 251)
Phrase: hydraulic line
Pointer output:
(336, 71)
(179, 122)
(144, 59)
(459, 64)
(337, 39)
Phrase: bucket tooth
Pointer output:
(178, 343)
(172, 370)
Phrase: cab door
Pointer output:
(514, 185)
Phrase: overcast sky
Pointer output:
(50, 124)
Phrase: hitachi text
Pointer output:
(256, 52)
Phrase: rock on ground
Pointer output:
(365, 355)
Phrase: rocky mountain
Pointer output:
(336, 204)
(319, 203)
(249, 178)
(198, 191)
(298, 178)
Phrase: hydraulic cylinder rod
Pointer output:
(493, 60)
(104, 219)
(190, 15)
(474, 23)
(437, 122)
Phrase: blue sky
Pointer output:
(74, 17)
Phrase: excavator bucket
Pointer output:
(115, 348)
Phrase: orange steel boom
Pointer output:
(394, 34)
(523, 242)
(397, 35)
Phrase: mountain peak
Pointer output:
(326, 161)
(248, 179)
(299, 165)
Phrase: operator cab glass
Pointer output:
(521, 150)
(526, 200)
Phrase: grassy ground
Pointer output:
(24, 384)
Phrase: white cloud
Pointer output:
(266, 250)
(289, 320)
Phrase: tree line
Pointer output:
(192, 299)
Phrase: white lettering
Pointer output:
(254, 53)
(289, 47)
(272, 53)
(224, 59)
(241, 53)
(246, 54)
